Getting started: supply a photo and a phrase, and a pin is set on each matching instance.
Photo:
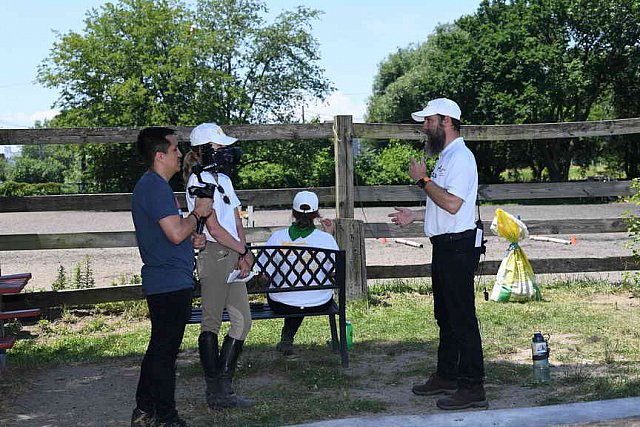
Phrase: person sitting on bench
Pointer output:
(301, 233)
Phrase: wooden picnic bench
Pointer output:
(12, 284)
(299, 269)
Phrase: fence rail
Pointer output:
(125, 239)
(480, 133)
(362, 195)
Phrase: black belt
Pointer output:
(441, 239)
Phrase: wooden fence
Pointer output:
(350, 233)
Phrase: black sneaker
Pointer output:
(140, 418)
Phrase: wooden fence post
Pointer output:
(349, 232)
(343, 135)
(350, 237)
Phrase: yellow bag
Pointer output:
(515, 280)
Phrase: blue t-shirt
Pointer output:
(167, 267)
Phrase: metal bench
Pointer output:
(298, 268)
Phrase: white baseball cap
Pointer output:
(305, 202)
(209, 132)
(443, 106)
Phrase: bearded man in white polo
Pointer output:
(449, 221)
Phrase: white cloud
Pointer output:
(337, 104)
(25, 120)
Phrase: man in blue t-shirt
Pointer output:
(166, 241)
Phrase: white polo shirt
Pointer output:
(456, 172)
(317, 239)
(225, 213)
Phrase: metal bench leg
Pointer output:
(3, 360)
(344, 354)
(334, 334)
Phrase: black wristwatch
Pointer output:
(422, 182)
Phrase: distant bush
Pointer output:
(20, 189)
(633, 228)
(390, 165)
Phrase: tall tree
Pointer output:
(622, 27)
(520, 61)
(251, 71)
(145, 62)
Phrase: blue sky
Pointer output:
(354, 36)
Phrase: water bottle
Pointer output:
(540, 355)
(349, 334)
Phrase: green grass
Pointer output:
(594, 341)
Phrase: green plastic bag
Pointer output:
(515, 280)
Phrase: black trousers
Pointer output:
(460, 350)
(293, 323)
(169, 313)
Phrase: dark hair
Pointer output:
(455, 123)
(152, 140)
(305, 220)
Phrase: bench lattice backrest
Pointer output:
(292, 268)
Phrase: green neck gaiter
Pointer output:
(296, 232)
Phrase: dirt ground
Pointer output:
(102, 395)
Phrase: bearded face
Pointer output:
(435, 138)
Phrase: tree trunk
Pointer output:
(632, 156)
(556, 156)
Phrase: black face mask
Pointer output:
(221, 160)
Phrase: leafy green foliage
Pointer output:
(521, 62)
(145, 62)
(633, 228)
(61, 280)
(81, 277)
(388, 166)
(282, 164)
(31, 170)
(20, 189)
(3, 168)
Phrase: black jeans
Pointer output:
(169, 313)
(460, 350)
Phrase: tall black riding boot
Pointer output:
(231, 349)
(208, 349)
(289, 329)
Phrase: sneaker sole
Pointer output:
(478, 404)
(446, 391)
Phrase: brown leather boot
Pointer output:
(466, 397)
(435, 385)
